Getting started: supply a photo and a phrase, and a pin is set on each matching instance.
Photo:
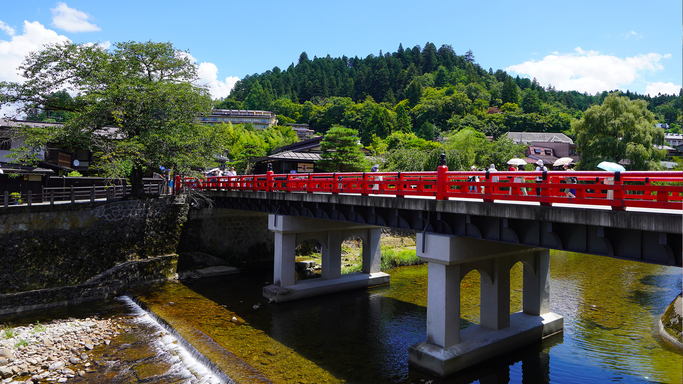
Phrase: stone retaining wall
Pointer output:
(240, 238)
(69, 244)
(110, 283)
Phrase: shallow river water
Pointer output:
(609, 306)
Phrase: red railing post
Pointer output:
(399, 186)
(441, 178)
(545, 190)
(336, 185)
(269, 181)
(618, 204)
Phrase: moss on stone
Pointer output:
(672, 319)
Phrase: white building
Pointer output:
(259, 119)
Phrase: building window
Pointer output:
(5, 143)
(537, 151)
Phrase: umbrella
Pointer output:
(516, 161)
(611, 167)
(563, 161)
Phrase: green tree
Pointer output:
(427, 131)
(530, 101)
(403, 123)
(616, 130)
(509, 93)
(341, 151)
(468, 141)
(136, 108)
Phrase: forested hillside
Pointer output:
(423, 90)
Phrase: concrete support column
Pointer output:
(290, 230)
(331, 256)
(447, 349)
(536, 289)
(284, 270)
(372, 254)
(494, 311)
(443, 305)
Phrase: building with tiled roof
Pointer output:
(544, 137)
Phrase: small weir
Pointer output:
(188, 358)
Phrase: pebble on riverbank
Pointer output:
(54, 352)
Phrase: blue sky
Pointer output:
(589, 46)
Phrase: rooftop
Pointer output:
(547, 137)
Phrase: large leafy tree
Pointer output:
(619, 129)
(341, 151)
(135, 106)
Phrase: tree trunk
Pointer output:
(136, 184)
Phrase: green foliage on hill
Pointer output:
(410, 88)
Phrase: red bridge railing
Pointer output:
(618, 190)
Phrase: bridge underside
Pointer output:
(651, 238)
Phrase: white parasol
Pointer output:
(516, 161)
(562, 161)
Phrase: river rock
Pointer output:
(6, 353)
(5, 372)
(56, 365)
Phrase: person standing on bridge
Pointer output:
(540, 168)
(473, 178)
(571, 192)
(375, 168)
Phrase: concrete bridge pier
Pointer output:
(289, 231)
(448, 349)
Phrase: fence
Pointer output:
(618, 190)
(74, 194)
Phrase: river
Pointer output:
(610, 307)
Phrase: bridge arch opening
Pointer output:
(470, 298)
(352, 254)
(517, 286)
(307, 258)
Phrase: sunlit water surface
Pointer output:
(610, 307)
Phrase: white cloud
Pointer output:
(8, 30)
(13, 52)
(588, 71)
(72, 20)
(631, 33)
(655, 88)
(208, 77)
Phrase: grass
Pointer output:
(37, 328)
(21, 343)
(7, 331)
(397, 252)
(399, 257)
